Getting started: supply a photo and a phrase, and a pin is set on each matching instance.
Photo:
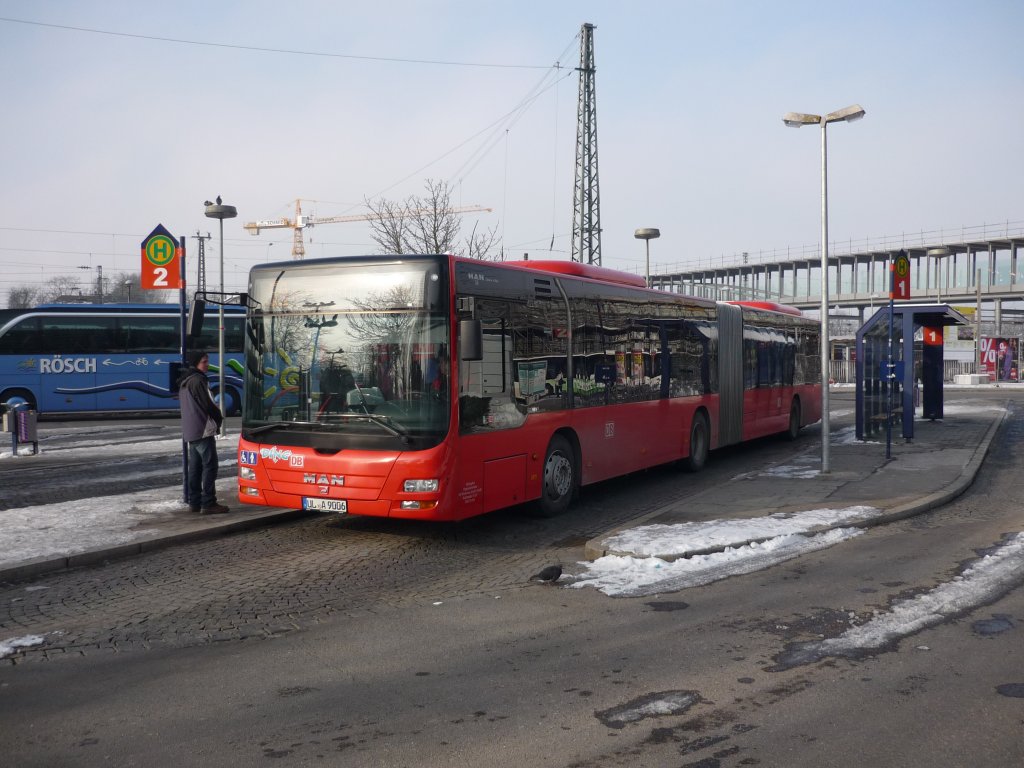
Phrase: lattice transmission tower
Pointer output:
(586, 204)
(201, 262)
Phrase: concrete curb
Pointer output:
(952, 490)
(594, 548)
(28, 569)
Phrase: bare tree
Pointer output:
(485, 246)
(427, 224)
(68, 288)
(22, 297)
(59, 288)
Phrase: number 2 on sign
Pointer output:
(160, 277)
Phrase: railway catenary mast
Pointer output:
(586, 206)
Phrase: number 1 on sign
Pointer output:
(900, 284)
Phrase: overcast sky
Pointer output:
(107, 135)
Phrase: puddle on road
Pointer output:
(1000, 622)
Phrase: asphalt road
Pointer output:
(363, 642)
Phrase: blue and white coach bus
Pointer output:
(81, 358)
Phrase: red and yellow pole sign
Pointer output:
(900, 285)
(160, 260)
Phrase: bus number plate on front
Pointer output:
(325, 505)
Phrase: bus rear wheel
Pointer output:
(559, 483)
(12, 397)
(700, 443)
(232, 402)
(794, 421)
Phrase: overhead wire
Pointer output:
(263, 49)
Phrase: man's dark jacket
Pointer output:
(197, 406)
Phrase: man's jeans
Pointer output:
(202, 472)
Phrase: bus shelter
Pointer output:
(886, 389)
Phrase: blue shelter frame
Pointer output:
(878, 384)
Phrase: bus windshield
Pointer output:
(354, 351)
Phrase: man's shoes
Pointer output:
(194, 508)
(214, 509)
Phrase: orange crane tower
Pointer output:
(302, 221)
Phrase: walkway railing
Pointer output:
(845, 371)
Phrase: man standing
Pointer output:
(200, 421)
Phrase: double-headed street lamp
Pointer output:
(220, 212)
(795, 120)
(647, 234)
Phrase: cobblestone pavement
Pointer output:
(286, 577)
(282, 578)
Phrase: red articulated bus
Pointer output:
(438, 387)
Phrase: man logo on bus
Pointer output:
(314, 479)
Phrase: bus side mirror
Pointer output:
(471, 340)
(196, 315)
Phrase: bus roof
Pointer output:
(113, 308)
(771, 306)
(589, 271)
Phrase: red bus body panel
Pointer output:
(485, 471)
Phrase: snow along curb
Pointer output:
(28, 569)
(596, 548)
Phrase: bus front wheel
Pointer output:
(12, 397)
(700, 443)
(559, 478)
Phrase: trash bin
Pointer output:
(21, 421)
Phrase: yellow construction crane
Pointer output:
(301, 221)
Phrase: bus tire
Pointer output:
(559, 481)
(794, 421)
(17, 397)
(233, 402)
(700, 443)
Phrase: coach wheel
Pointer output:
(794, 421)
(15, 397)
(700, 443)
(232, 402)
(559, 478)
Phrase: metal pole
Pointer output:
(183, 348)
(977, 321)
(220, 337)
(890, 375)
(825, 464)
(648, 244)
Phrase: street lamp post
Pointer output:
(795, 120)
(647, 234)
(220, 212)
(128, 287)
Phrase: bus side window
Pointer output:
(21, 339)
(79, 335)
(146, 335)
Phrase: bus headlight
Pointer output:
(420, 486)
(247, 473)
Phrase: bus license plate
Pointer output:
(325, 505)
